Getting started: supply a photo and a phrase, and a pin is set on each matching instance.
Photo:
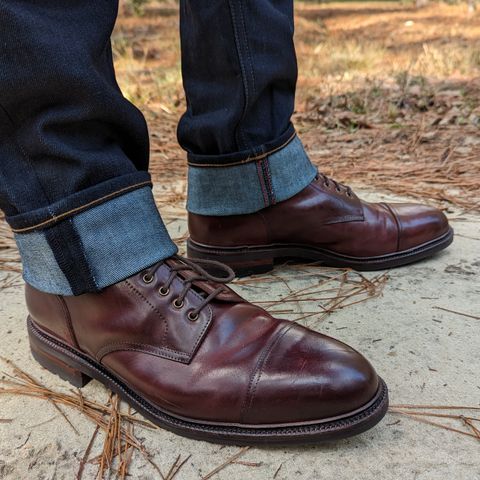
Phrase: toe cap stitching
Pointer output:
(397, 221)
(257, 372)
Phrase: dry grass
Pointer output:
(388, 98)
(322, 291)
(116, 425)
(111, 421)
(460, 423)
(119, 441)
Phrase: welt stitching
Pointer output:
(249, 159)
(247, 402)
(56, 218)
(103, 372)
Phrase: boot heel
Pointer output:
(55, 365)
(251, 267)
(242, 263)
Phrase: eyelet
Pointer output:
(192, 317)
(163, 291)
(349, 194)
(178, 305)
(147, 278)
(326, 184)
(339, 190)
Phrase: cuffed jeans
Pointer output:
(74, 182)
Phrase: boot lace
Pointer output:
(200, 275)
(339, 187)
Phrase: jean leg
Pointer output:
(239, 72)
(73, 151)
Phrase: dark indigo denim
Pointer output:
(250, 186)
(74, 181)
(239, 71)
(71, 144)
(67, 135)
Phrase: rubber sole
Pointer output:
(249, 260)
(79, 369)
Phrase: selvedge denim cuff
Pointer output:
(251, 185)
(97, 247)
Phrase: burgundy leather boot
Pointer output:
(195, 358)
(326, 223)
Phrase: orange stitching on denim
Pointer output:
(247, 160)
(79, 209)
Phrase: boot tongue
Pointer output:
(205, 286)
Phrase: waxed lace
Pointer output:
(201, 275)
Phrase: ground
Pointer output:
(388, 102)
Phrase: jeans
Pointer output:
(74, 182)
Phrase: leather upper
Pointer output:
(235, 364)
(326, 216)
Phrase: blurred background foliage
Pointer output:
(387, 91)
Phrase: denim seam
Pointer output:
(267, 175)
(254, 186)
(258, 166)
(84, 255)
(247, 47)
(57, 218)
(65, 243)
(248, 159)
(238, 129)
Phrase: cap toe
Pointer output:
(309, 377)
(418, 224)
